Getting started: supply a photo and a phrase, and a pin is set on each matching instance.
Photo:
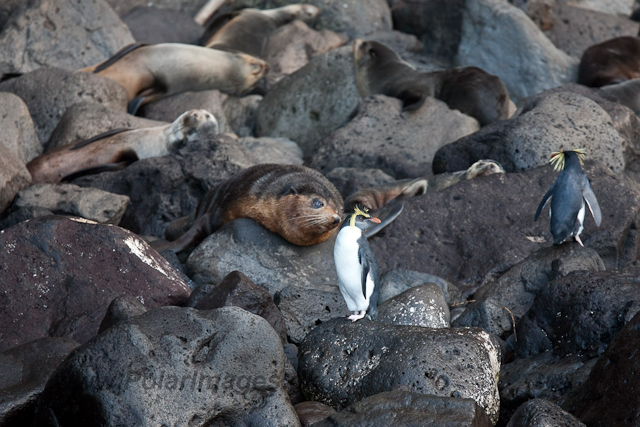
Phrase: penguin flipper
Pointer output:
(592, 202)
(544, 201)
(364, 263)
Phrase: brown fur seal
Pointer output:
(610, 62)
(149, 72)
(294, 201)
(480, 168)
(249, 29)
(377, 197)
(115, 149)
(473, 91)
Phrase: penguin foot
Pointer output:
(357, 315)
(579, 241)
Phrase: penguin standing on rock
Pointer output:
(358, 274)
(568, 196)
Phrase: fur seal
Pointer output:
(249, 29)
(149, 72)
(610, 62)
(377, 197)
(473, 91)
(115, 149)
(294, 201)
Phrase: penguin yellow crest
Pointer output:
(557, 158)
(357, 211)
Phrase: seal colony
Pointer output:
(473, 91)
(149, 72)
(248, 30)
(296, 202)
(116, 149)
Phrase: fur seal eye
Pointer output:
(317, 203)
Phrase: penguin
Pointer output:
(358, 273)
(568, 196)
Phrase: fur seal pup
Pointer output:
(610, 62)
(294, 201)
(249, 29)
(473, 91)
(149, 72)
(115, 149)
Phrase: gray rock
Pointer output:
(273, 150)
(22, 215)
(404, 409)
(190, 7)
(396, 281)
(48, 92)
(545, 124)
(151, 25)
(165, 188)
(291, 46)
(350, 180)
(356, 18)
(238, 290)
(513, 292)
(18, 131)
(14, 177)
(122, 308)
(612, 7)
(422, 305)
(573, 29)
(24, 371)
(542, 413)
(242, 113)
(466, 230)
(218, 367)
(69, 199)
(540, 376)
(85, 120)
(342, 362)
(401, 144)
(264, 257)
(579, 314)
(69, 34)
(438, 24)
(61, 274)
(494, 35)
(312, 102)
(305, 307)
(608, 397)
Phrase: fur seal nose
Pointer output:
(336, 219)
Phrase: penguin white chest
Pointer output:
(349, 269)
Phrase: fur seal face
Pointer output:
(114, 150)
(294, 201)
(473, 91)
(610, 62)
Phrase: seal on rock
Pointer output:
(473, 91)
(149, 72)
(249, 29)
(294, 201)
(610, 62)
(117, 148)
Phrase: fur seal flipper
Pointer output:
(99, 137)
(113, 167)
(116, 56)
(294, 201)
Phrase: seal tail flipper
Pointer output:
(193, 237)
(124, 160)
(411, 100)
(116, 56)
(386, 215)
(98, 137)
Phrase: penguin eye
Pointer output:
(317, 203)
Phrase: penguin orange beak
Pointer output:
(375, 220)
